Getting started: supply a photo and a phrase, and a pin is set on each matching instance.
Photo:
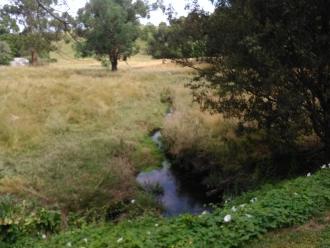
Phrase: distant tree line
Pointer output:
(105, 29)
(30, 27)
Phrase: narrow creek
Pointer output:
(177, 194)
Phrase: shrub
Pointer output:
(18, 219)
(5, 53)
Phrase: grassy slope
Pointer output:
(72, 134)
(284, 205)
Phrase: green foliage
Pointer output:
(314, 233)
(18, 219)
(269, 67)
(325, 238)
(251, 215)
(182, 39)
(147, 31)
(40, 26)
(5, 53)
(110, 28)
(15, 42)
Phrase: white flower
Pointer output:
(249, 215)
(156, 225)
(204, 212)
(324, 166)
(309, 174)
(85, 240)
(253, 200)
(133, 201)
(44, 236)
(120, 240)
(242, 205)
(234, 209)
(69, 244)
(227, 218)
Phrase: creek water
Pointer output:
(178, 194)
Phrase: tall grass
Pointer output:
(73, 135)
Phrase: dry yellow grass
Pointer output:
(188, 126)
(75, 132)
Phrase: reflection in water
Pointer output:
(176, 199)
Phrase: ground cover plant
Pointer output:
(231, 225)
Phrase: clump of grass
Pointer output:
(153, 189)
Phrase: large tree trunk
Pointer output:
(114, 65)
(113, 56)
(34, 57)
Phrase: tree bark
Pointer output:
(113, 57)
(114, 65)
(34, 57)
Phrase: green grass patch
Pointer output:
(314, 234)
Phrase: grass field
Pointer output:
(73, 135)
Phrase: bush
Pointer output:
(19, 219)
(5, 53)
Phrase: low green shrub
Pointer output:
(231, 225)
(5, 53)
(18, 219)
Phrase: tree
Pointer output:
(5, 53)
(110, 28)
(270, 65)
(159, 46)
(40, 24)
(184, 38)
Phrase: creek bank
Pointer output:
(177, 193)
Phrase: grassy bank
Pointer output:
(313, 234)
(232, 225)
(73, 135)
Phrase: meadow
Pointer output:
(73, 135)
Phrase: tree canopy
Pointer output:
(110, 28)
(35, 23)
(269, 66)
(184, 37)
(5, 53)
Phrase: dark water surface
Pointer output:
(179, 195)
